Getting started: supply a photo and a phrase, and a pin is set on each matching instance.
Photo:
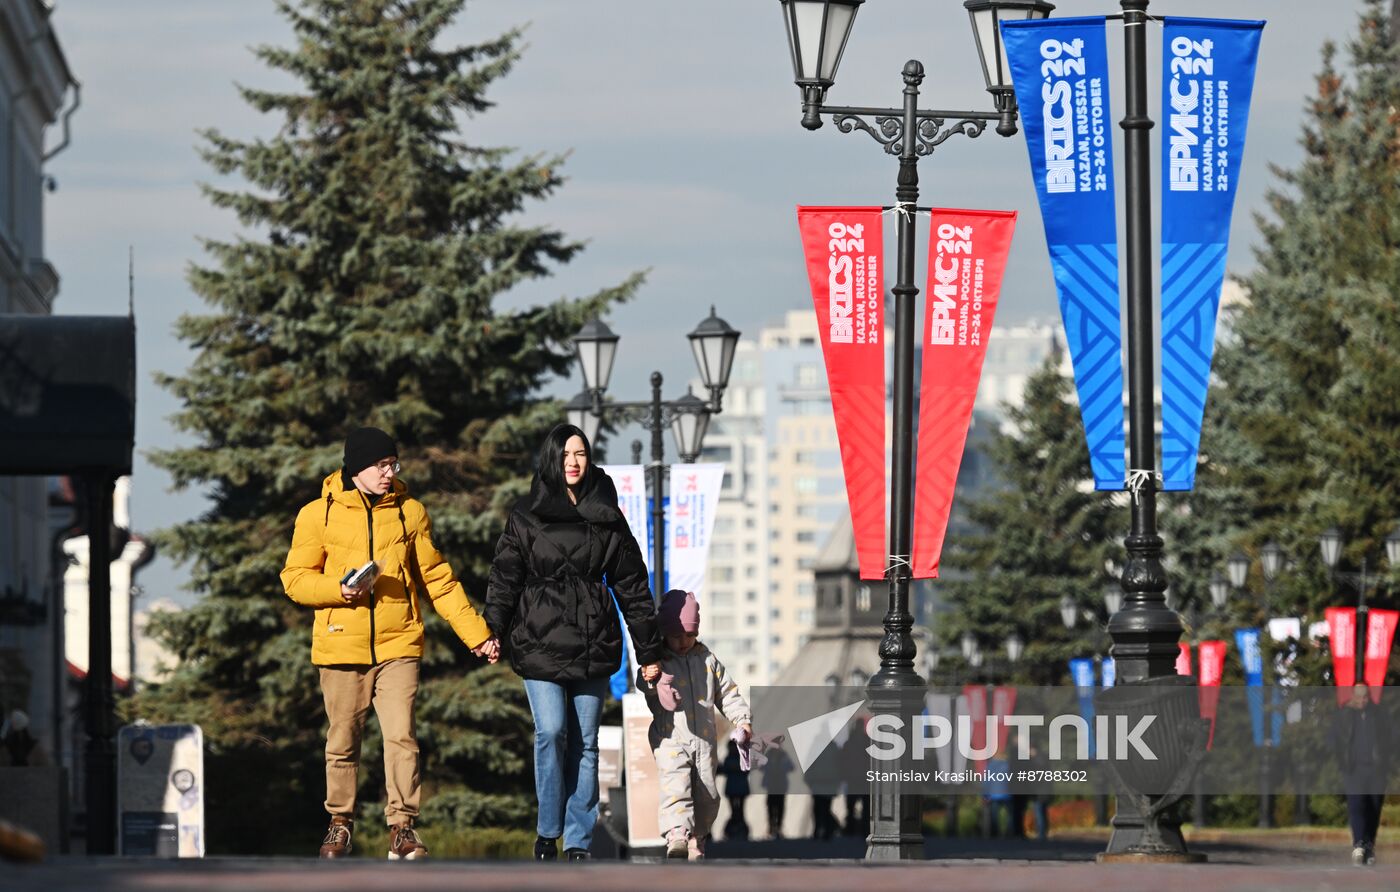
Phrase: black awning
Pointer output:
(67, 393)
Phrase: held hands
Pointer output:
(490, 650)
(651, 672)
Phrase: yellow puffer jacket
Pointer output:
(338, 533)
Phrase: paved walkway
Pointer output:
(258, 875)
(1240, 860)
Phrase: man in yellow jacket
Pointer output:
(368, 637)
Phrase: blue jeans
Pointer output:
(566, 757)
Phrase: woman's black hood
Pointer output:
(597, 502)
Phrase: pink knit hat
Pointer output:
(679, 612)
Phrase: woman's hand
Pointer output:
(490, 650)
(349, 594)
(651, 672)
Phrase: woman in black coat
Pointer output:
(548, 601)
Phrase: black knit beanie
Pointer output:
(367, 446)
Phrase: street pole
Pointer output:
(100, 717)
(896, 827)
(1145, 632)
(656, 471)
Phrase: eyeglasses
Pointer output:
(386, 467)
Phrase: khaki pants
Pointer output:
(349, 692)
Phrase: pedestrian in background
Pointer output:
(564, 546)
(1361, 740)
(367, 638)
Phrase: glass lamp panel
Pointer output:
(1238, 568)
(839, 18)
(1272, 558)
(1113, 599)
(1331, 544)
(807, 18)
(1219, 591)
(1068, 611)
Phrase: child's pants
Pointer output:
(689, 793)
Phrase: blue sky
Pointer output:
(686, 158)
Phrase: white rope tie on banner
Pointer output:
(896, 561)
(1138, 478)
(904, 208)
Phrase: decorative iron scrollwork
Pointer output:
(889, 134)
(932, 133)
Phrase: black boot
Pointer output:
(577, 854)
(546, 849)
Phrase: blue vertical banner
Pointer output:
(1110, 672)
(1247, 640)
(1207, 78)
(1081, 670)
(1060, 71)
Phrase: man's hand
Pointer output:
(490, 649)
(651, 672)
(350, 595)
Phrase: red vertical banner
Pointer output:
(1380, 634)
(844, 250)
(1341, 630)
(1183, 659)
(967, 257)
(1003, 705)
(1212, 665)
(976, 695)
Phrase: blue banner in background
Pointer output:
(1247, 640)
(1081, 670)
(1207, 77)
(1110, 672)
(1060, 70)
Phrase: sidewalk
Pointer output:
(306, 875)
(1244, 859)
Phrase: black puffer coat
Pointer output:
(548, 600)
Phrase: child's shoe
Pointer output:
(697, 848)
(677, 845)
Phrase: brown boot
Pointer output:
(404, 843)
(337, 841)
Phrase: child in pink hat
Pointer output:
(683, 696)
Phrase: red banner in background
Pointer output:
(976, 695)
(1183, 659)
(844, 251)
(1380, 634)
(1212, 664)
(1003, 704)
(967, 256)
(1341, 630)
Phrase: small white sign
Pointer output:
(160, 791)
(643, 777)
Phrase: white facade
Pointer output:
(34, 81)
(135, 554)
(735, 618)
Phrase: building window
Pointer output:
(807, 536)
(804, 617)
(863, 598)
(808, 374)
(807, 485)
(721, 598)
(775, 613)
(722, 574)
(751, 596)
(724, 525)
(805, 589)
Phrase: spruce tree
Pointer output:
(1044, 534)
(377, 239)
(1303, 426)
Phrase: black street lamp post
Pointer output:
(817, 33)
(713, 342)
